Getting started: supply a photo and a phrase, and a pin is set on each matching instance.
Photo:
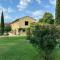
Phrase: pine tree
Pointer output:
(2, 23)
(58, 11)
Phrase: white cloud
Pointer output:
(23, 4)
(53, 2)
(38, 1)
(10, 10)
(7, 17)
(6, 12)
(38, 14)
(2, 9)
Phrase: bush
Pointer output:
(44, 37)
(7, 28)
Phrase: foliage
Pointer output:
(57, 11)
(41, 20)
(44, 37)
(47, 18)
(2, 24)
(7, 28)
(0, 30)
(28, 33)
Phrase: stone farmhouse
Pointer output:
(20, 25)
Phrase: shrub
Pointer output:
(7, 28)
(44, 38)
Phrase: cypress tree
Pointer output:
(2, 23)
(57, 11)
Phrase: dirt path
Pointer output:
(10, 36)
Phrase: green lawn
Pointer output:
(18, 48)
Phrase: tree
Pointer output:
(57, 11)
(2, 23)
(44, 38)
(47, 18)
(0, 29)
(7, 28)
(41, 20)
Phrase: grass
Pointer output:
(56, 54)
(17, 48)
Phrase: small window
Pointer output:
(26, 22)
(23, 30)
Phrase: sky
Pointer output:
(14, 9)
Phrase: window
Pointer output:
(26, 22)
(23, 30)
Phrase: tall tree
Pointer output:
(57, 11)
(47, 18)
(2, 23)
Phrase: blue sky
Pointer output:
(14, 9)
